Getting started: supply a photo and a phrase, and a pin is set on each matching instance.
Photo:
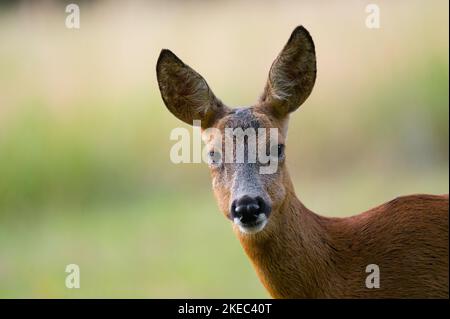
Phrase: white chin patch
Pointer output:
(259, 225)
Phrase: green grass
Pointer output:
(163, 247)
(85, 175)
(168, 245)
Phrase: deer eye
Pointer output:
(276, 151)
(280, 150)
(215, 157)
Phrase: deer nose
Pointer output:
(247, 209)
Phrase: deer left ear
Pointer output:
(185, 92)
(292, 75)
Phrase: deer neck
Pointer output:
(292, 255)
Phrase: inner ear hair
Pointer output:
(291, 76)
(185, 92)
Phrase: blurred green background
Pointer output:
(85, 175)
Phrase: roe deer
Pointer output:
(295, 252)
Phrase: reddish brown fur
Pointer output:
(300, 254)
(304, 255)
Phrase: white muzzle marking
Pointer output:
(259, 225)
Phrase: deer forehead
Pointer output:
(244, 118)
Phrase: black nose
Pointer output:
(247, 208)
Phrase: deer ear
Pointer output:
(291, 76)
(185, 93)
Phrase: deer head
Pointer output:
(245, 195)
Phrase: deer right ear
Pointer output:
(292, 75)
(185, 93)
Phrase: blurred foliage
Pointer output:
(85, 175)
